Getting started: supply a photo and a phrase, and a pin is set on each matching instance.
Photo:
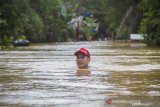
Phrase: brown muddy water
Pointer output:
(122, 75)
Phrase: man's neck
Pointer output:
(83, 68)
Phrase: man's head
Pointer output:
(83, 58)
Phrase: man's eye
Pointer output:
(78, 57)
(82, 57)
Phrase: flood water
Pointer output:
(122, 75)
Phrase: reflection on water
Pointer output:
(46, 75)
(83, 72)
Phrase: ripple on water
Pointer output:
(46, 75)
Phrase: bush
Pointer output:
(22, 37)
(150, 24)
(7, 42)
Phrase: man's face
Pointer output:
(82, 61)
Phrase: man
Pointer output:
(82, 60)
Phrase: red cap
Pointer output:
(83, 51)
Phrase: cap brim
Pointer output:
(76, 53)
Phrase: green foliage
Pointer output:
(124, 33)
(110, 14)
(8, 39)
(88, 29)
(150, 24)
(22, 37)
(34, 27)
(7, 42)
(39, 20)
(47, 20)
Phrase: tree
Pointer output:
(20, 19)
(38, 20)
(150, 25)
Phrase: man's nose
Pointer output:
(79, 58)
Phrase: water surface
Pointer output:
(45, 75)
